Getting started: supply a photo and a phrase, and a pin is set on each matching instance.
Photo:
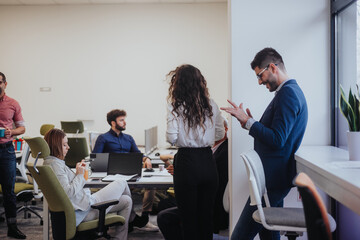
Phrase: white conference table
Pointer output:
(332, 171)
(158, 179)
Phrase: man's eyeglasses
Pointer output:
(259, 75)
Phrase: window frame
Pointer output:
(337, 6)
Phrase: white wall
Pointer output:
(101, 57)
(299, 30)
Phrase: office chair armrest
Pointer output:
(102, 206)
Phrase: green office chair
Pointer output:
(61, 210)
(45, 128)
(78, 145)
(74, 127)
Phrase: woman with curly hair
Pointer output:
(194, 123)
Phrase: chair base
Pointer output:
(26, 209)
(91, 234)
(291, 235)
(32, 209)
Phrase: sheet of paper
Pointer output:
(160, 173)
(118, 176)
(157, 172)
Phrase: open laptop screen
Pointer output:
(100, 162)
(151, 139)
(125, 163)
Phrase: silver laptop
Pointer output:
(99, 162)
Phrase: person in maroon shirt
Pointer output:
(10, 113)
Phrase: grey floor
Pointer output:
(33, 230)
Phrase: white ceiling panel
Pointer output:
(9, 2)
(70, 2)
(142, 1)
(36, 2)
(107, 1)
(210, 1)
(177, 1)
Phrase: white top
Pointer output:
(177, 132)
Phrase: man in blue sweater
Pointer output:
(277, 136)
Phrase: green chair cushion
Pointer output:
(110, 219)
(20, 187)
(45, 128)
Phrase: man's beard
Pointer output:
(118, 127)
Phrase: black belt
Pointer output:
(6, 145)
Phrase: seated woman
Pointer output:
(73, 184)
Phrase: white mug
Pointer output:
(161, 167)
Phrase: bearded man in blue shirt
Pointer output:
(115, 141)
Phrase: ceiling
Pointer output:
(92, 2)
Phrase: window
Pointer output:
(345, 60)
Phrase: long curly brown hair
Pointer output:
(189, 95)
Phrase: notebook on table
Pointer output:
(99, 162)
(127, 164)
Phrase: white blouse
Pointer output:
(178, 134)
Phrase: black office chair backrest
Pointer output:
(78, 151)
(316, 217)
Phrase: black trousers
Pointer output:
(7, 180)
(221, 217)
(170, 224)
(195, 183)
